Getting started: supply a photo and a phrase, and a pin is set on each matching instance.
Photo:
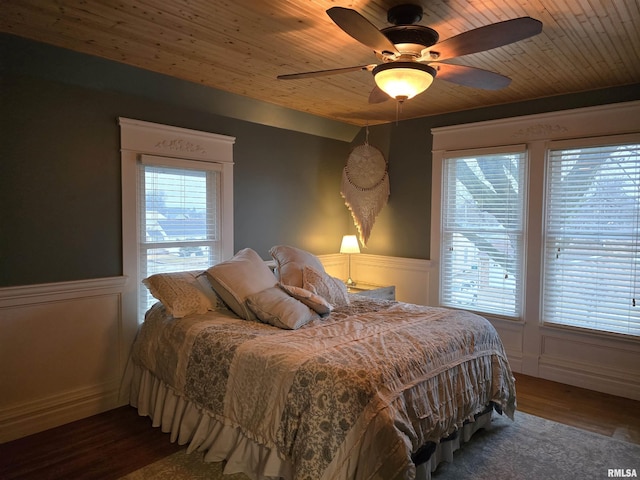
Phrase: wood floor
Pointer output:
(117, 442)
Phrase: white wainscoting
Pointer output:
(588, 360)
(512, 336)
(61, 353)
(591, 360)
(409, 275)
(64, 346)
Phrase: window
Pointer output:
(592, 241)
(482, 231)
(577, 322)
(178, 207)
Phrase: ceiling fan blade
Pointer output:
(361, 29)
(470, 76)
(378, 95)
(484, 38)
(322, 73)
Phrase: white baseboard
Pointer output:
(42, 414)
(592, 377)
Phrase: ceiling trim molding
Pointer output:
(601, 120)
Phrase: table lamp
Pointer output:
(350, 245)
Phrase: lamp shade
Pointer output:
(349, 244)
(403, 80)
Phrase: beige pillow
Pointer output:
(243, 275)
(332, 289)
(182, 293)
(310, 299)
(276, 307)
(290, 263)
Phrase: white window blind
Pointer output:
(179, 217)
(482, 232)
(592, 253)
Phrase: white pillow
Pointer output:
(290, 263)
(243, 275)
(332, 289)
(310, 299)
(276, 307)
(182, 293)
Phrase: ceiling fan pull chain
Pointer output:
(398, 108)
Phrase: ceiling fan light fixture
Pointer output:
(403, 80)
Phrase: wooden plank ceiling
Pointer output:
(240, 46)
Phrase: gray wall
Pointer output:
(60, 197)
(60, 193)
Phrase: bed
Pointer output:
(288, 376)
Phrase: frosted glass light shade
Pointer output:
(403, 80)
(349, 244)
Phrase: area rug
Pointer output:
(531, 448)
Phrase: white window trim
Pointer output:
(139, 138)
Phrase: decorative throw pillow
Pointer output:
(243, 275)
(182, 293)
(310, 299)
(275, 307)
(332, 289)
(290, 263)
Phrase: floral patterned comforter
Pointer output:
(353, 395)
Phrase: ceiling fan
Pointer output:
(411, 54)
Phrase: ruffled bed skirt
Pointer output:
(189, 424)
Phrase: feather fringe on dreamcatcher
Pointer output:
(365, 187)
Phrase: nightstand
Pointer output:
(374, 291)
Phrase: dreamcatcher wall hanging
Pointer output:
(365, 187)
